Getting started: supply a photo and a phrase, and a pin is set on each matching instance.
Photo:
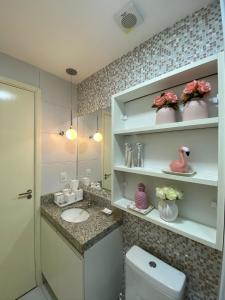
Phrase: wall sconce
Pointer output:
(97, 136)
(70, 133)
(62, 133)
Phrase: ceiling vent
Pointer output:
(128, 17)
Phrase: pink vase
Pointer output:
(195, 109)
(141, 200)
(165, 115)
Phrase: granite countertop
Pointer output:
(85, 234)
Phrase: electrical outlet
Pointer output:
(63, 177)
(88, 172)
(214, 100)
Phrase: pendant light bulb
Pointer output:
(97, 137)
(71, 134)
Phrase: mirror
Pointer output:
(93, 156)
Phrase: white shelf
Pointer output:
(193, 230)
(185, 125)
(206, 179)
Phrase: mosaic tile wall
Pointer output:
(190, 39)
(201, 264)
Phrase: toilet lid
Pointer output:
(163, 277)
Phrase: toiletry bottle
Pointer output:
(141, 199)
(128, 155)
(139, 155)
(126, 146)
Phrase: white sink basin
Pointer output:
(75, 215)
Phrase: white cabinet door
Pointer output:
(17, 266)
(61, 266)
(103, 268)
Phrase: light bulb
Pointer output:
(98, 137)
(71, 134)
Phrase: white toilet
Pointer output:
(149, 278)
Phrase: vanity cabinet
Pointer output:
(95, 275)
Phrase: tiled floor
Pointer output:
(37, 294)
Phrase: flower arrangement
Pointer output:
(195, 89)
(168, 193)
(167, 99)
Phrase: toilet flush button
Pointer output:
(152, 264)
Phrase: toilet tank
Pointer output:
(149, 278)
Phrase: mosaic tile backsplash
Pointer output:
(195, 37)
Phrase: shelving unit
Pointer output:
(201, 212)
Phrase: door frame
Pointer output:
(103, 114)
(37, 168)
(222, 277)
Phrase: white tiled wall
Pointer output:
(89, 151)
(58, 154)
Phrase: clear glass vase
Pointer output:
(168, 210)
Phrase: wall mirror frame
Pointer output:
(94, 157)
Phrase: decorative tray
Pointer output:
(189, 174)
(141, 211)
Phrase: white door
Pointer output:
(17, 266)
(107, 150)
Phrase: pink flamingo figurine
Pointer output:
(181, 164)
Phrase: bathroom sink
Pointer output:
(75, 215)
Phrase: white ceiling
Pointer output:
(55, 34)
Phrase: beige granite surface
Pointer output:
(85, 234)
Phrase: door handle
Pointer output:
(106, 176)
(27, 194)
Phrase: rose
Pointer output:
(171, 194)
(203, 87)
(168, 193)
(166, 99)
(159, 101)
(160, 193)
(170, 97)
(165, 189)
(191, 87)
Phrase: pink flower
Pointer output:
(191, 87)
(203, 87)
(167, 99)
(170, 97)
(195, 89)
(159, 101)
